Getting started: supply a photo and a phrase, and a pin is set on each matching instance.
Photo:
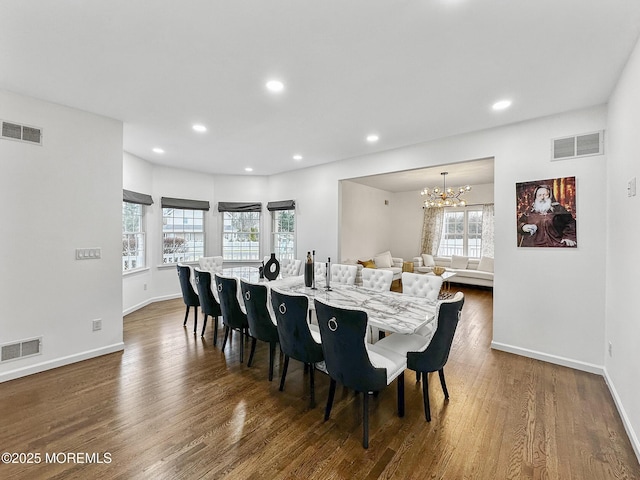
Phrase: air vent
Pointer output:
(584, 145)
(25, 348)
(21, 133)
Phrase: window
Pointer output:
(241, 236)
(461, 233)
(133, 237)
(182, 235)
(283, 231)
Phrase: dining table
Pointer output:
(389, 311)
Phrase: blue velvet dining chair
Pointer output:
(298, 339)
(426, 355)
(261, 326)
(189, 295)
(208, 302)
(356, 366)
(232, 315)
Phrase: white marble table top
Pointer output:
(389, 311)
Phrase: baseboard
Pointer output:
(633, 438)
(545, 357)
(60, 362)
(149, 302)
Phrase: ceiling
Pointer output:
(407, 70)
(476, 172)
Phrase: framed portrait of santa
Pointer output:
(546, 213)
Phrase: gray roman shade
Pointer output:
(135, 197)
(239, 207)
(281, 205)
(185, 204)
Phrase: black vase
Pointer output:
(272, 268)
(308, 274)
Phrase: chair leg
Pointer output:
(204, 325)
(365, 419)
(425, 396)
(186, 316)
(332, 393)
(312, 401)
(195, 321)
(400, 381)
(241, 345)
(215, 332)
(284, 371)
(272, 354)
(443, 383)
(417, 377)
(253, 351)
(226, 336)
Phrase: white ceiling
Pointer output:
(476, 172)
(409, 70)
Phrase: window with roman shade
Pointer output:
(133, 230)
(240, 231)
(183, 234)
(283, 228)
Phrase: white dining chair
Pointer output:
(211, 264)
(380, 281)
(319, 269)
(376, 279)
(290, 268)
(421, 285)
(344, 274)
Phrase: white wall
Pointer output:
(63, 195)
(365, 222)
(565, 323)
(623, 261)
(137, 286)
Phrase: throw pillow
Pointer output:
(383, 261)
(486, 264)
(367, 263)
(428, 260)
(460, 262)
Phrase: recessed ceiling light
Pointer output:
(372, 138)
(200, 128)
(502, 104)
(158, 150)
(297, 157)
(248, 169)
(275, 86)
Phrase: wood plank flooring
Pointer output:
(173, 406)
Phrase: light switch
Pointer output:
(88, 253)
(631, 187)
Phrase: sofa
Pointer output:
(469, 271)
(383, 261)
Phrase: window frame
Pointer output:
(464, 234)
(192, 255)
(141, 233)
(276, 234)
(239, 216)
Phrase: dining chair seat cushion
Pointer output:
(394, 362)
(427, 330)
(315, 332)
(400, 344)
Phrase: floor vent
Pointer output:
(21, 133)
(584, 145)
(25, 348)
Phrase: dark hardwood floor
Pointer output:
(174, 406)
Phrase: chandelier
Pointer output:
(445, 197)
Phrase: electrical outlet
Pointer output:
(144, 286)
(97, 324)
(610, 349)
